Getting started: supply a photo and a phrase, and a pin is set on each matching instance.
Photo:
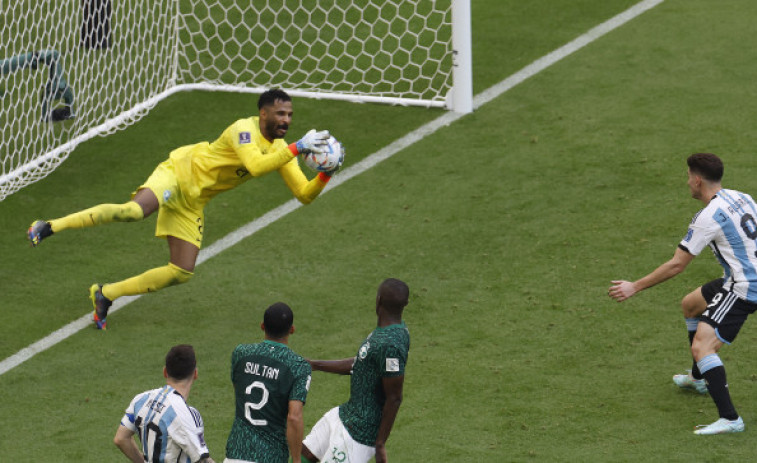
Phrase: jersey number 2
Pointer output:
(250, 406)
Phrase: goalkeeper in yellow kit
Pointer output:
(192, 175)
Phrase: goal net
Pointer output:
(75, 69)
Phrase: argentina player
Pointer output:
(168, 428)
(715, 311)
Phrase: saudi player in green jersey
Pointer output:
(270, 386)
(358, 429)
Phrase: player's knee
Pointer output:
(691, 307)
(128, 212)
(179, 275)
(694, 350)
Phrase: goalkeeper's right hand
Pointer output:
(313, 142)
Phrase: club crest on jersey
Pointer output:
(244, 138)
(166, 195)
(363, 352)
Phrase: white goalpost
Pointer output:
(71, 70)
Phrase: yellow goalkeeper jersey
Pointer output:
(241, 152)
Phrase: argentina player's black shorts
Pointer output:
(726, 312)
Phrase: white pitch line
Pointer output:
(367, 163)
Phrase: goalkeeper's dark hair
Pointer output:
(270, 97)
(278, 319)
(181, 362)
(708, 165)
(393, 294)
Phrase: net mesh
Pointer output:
(74, 69)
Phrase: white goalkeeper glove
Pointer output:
(339, 161)
(313, 142)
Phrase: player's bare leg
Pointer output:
(183, 253)
(147, 201)
(692, 306)
(183, 256)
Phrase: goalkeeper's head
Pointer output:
(275, 110)
(278, 321)
(269, 97)
(181, 363)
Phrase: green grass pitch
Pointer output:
(508, 225)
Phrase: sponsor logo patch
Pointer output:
(392, 365)
(244, 138)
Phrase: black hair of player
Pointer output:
(270, 97)
(394, 294)
(181, 362)
(278, 319)
(707, 165)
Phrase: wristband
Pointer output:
(324, 177)
(293, 148)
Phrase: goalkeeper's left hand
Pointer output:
(339, 162)
(313, 142)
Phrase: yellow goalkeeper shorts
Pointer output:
(176, 216)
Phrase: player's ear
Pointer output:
(262, 326)
(195, 374)
(165, 372)
(291, 329)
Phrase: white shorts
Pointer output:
(329, 436)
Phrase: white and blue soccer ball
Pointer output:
(328, 161)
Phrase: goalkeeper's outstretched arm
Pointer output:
(303, 189)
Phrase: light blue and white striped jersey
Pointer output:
(168, 428)
(729, 226)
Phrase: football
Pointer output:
(329, 160)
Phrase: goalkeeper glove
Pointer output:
(313, 142)
(339, 162)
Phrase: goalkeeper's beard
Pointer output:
(282, 130)
(277, 130)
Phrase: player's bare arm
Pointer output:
(124, 440)
(340, 367)
(295, 429)
(393, 389)
(622, 289)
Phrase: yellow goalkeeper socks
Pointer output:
(151, 280)
(104, 213)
